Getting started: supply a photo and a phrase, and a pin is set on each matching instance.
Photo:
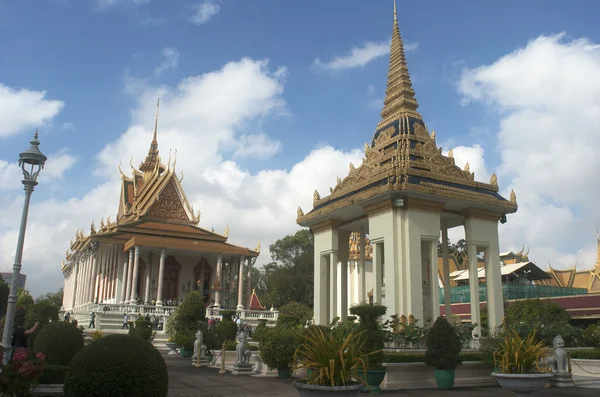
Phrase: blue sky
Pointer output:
(93, 57)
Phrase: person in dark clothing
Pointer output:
(19, 336)
(92, 320)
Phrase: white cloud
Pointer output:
(359, 56)
(57, 164)
(256, 146)
(548, 97)
(204, 12)
(104, 4)
(170, 60)
(203, 117)
(22, 109)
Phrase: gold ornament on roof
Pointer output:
(513, 197)
(494, 179)
(467, 168)
(300, 212)
(432, 134)
(67, 254)
(257, 248)
(339, 181)
(450, 154)
(108, 221)
(316, 195)
(92, 228)
(352, 167)
(181, 179)
(71, 243)
(197, 218)
(226, 234)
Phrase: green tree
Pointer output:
(54, 298)
(24, 299)
(4, 291)
(289, 278)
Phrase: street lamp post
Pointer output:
(31, 162)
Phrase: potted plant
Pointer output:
(334, 359)
(171, 345)
(185, 340)
(517, 361)
(374, 334)
(443, 352)
(277, 349)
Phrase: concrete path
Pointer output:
(188, 381)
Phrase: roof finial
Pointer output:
(156, 121)
(35, 136)
(395, 17)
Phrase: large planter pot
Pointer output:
(172, 346)
(306, 390)
(522, 384)
(186, 353)
(373, 381)
(285, 373)
(444, 378)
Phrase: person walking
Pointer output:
(19, 336)
(92, 320)
(67, 317)
(125, 321)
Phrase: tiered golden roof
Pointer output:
(403, 156)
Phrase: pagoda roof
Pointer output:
(403, 160)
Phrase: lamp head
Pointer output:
(32, 160)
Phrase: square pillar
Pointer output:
(377, 269)
(321, 288)
(333, 285)
(435, 285)
(362, 294)
(343, 255)
(474, 287)
(446, 273)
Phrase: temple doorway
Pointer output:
(202, 277)
(171, 279)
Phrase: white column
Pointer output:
(220, 278)
(148, 278)
(446, 273)
(249, 281)
(240, 305)
(322, 294)
(377, 267)
(495, 303)
(201, 280)
(161, 275)
(92, 281)
(343, 254)
(102, 271)
(362, 280)
(129, 276)
(435, 280)
(333, 290)
(474, 286)
(123, 297)
(76, 265)
(136, 264)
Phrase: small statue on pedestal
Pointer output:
(199, 357)
(242, 364)
(559, 364)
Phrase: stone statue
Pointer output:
(198, 345)
(559, 363)
(242, 353)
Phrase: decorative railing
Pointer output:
(108, 308)
(245, 315)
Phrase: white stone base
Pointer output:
(562, 380)
(242, 369)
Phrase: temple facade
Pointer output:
(153, 253)
(404, 195)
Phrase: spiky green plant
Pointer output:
(516, 355)
(332, 357)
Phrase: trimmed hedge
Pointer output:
(60, 342)
(142, 328)
(585, 354)
(116, 366)
(420, 357)
(54, 375)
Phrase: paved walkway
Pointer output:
(188, 381)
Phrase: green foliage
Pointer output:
(97, 334)
(60, 342)
(374, 334)
(592, 335)
(185, 339)
(333, 358)
(289, 278)
(278, 346)
(585, 354)
(54, 298)
(42, 312)
(443, 345)
(4, 291)
(54, 374)
(24, 298)
(142, 328)
(115, 366)
(225, 330)
(21, 373)
(516, 355)
(288, 321)
(260, 331)
(404, 335)
(301, 311)
(183, 324)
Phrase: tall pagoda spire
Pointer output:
(400, 98)
(152, 159)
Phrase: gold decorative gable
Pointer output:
(168, 205)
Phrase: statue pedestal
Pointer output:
(242, 369)
(562, 380)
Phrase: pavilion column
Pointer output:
(231, 279)
(474, 286)
(136, 265)
(333, 267)
(148, 278)
(362, 280)
(88, 277)
(96, 280)
(240, 305)
(343, 253)
(161, 275)
(123, 297)
(73, 300)
(79, 277)
(129, 276)
(249, 281)
(219, 281)
(377, 268)
(201, 280)
(434, 282)
(92, 279)
(446, 273)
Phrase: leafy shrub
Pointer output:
(115, 366)
(260, 330)
(443, 346)
(585, 354)
(369, 315)
(278, 346)
(225, 330)
(517, 355)
(60, 342)
(288, 321)
(97, 334)
(54, 374)
(142, 328)
(591, 335)
(185, 339)
(301, 311)
(42, 312)
(183, 324)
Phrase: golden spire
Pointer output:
(597, 250)
(399, 95)
(152, 160)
